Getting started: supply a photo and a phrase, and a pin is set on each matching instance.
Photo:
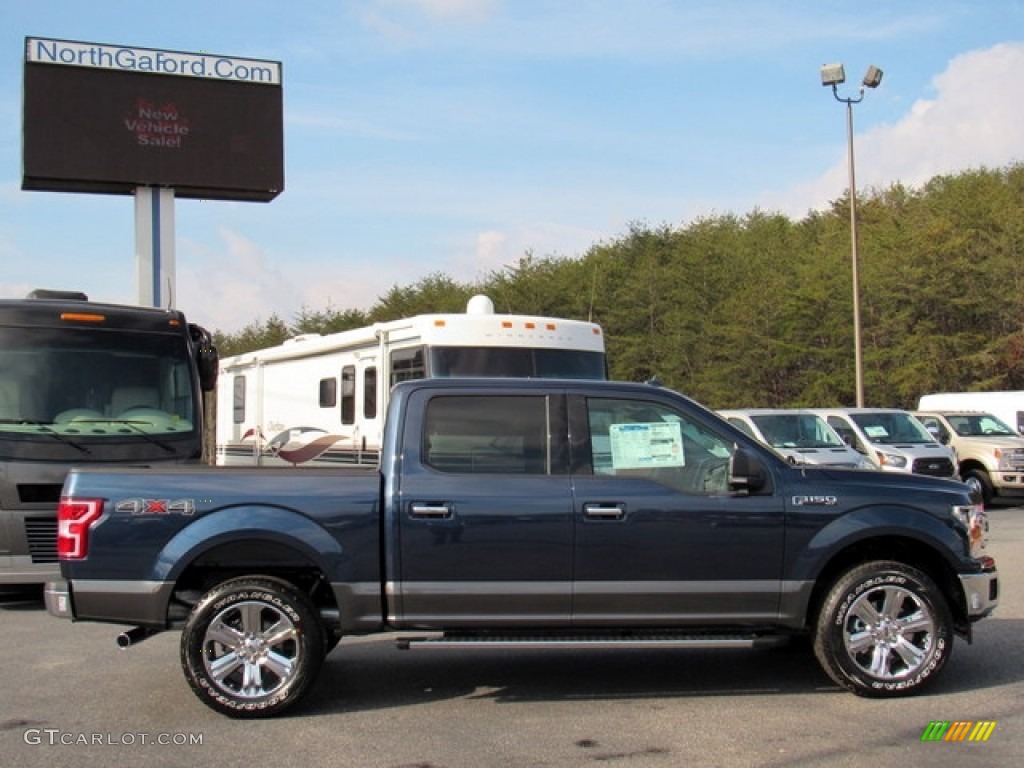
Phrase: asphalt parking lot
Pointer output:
(70, 697)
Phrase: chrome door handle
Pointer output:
(430, 511)
(605, 511)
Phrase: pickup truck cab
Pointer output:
(989, 453)
(893, 439)
(528, 512)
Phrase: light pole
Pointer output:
(833, 74)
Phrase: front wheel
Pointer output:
(885, 630)
(252, 647)
(978, 481)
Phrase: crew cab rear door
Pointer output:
(660, 539)
(483, 514)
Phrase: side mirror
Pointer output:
(207, 365)
(207, 359)
(747, 471)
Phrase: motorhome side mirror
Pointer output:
(207, 359)
(207, 364)
(746, 471)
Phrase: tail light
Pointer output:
(74, 518)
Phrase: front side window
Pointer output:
(487, 434)
(640, 438)
(848, 434)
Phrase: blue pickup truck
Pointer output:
(528, 513)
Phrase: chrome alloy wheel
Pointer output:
(889, 632)
(251, 649)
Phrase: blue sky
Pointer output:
(455, 136)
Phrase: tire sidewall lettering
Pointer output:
(864, 586)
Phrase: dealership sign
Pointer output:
(110, 119)
(145, 60)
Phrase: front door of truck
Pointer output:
(484, 514)
(660, 540)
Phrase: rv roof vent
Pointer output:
(45, 293)
(480, 305)
(302, 337)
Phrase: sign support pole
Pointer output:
(154, 246)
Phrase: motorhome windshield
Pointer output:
(891, 427)
(796, 430)
(95, 394)
(516, 362)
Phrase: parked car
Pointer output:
(893, 439)
(989, 453)
(802, 436)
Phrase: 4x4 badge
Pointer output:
(156, 506)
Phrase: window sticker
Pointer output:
(876, 432)
(637, 446)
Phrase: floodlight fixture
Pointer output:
(833, 74)
(873, 77)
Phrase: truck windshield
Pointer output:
(978, 424)
(516, 362)
(95, 394)
(796, 430)
(889, 427)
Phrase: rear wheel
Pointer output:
(252, 647)
(885, 630)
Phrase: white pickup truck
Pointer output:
(989, 453)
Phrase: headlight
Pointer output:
(891, 460)
(972, 517)
(1004, 461)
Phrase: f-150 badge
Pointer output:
(815, 501)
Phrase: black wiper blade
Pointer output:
(46, 430)
(134, 424)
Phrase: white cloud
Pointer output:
(975, 119)
(226, 289)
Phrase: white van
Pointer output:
(893, 439)
(801, 436)
(1008, 407)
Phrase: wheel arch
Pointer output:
(250, 542)
(904, 549)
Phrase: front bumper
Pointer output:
(57, 596)
(981, 592)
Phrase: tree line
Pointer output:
(756, 310)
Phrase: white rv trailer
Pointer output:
(321, 400)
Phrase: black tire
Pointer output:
(978, 480)
(884, 630)
(252, 647)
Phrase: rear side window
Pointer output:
(487, 435)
